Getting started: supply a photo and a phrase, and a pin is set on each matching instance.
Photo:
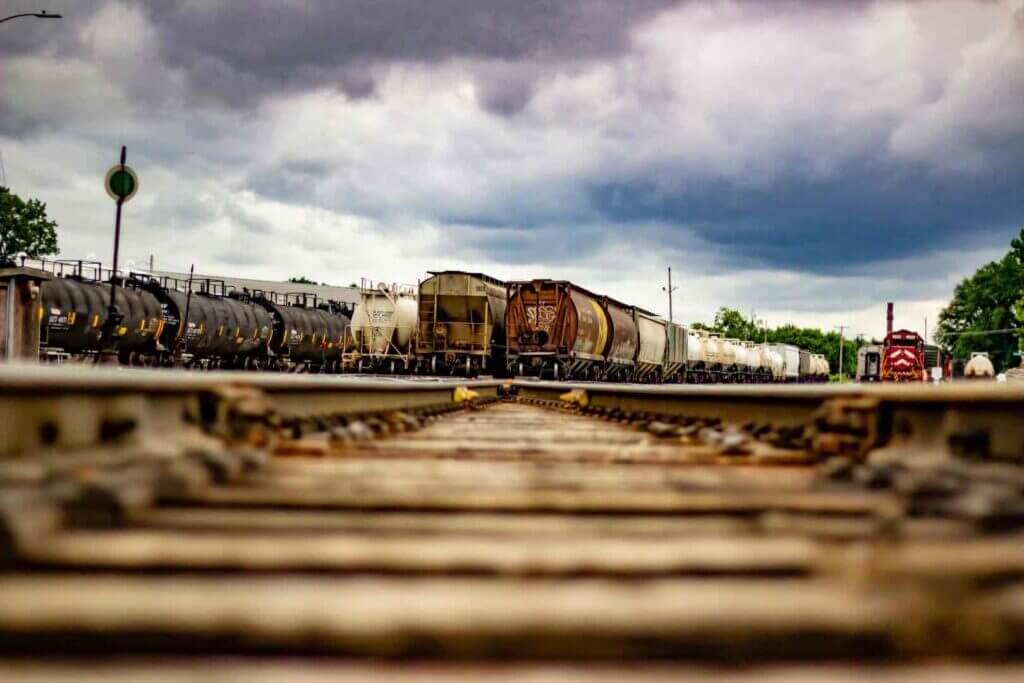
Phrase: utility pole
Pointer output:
(841, 329)
(669, 289)
(151, 264)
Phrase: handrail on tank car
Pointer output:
(367, 285)
(301, 299)
(77, 267)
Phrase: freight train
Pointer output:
(452, 323)
(558, 330)
(161, 323)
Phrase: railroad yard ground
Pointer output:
(247, 527)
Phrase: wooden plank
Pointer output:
(167, 670)
(499, 526)
(699, 618)
(378, 496)
(321, 551)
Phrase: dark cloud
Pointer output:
(239, 53)
(868, 212)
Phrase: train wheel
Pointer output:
(469, 367)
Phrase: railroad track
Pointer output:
(170, 526)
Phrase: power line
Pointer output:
(979, 333)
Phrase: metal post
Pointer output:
(113, 315)
(183, 323)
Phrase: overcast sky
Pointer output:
(804, 160)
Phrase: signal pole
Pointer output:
(669, 289)
(841, 329)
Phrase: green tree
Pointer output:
(733, 325)
(24, 227)
(982, 308)
(301, 280)
(1018, 310)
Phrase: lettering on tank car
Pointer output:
(58, 321)
(167, 314)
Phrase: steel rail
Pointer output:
(967, 418)
(49, 410)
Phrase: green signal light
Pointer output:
(122, 183)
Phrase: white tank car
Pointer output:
(695, 352)
(651, 355)
(775, 363)
(740, 355)
(756, 358)
(979, 366)
(384, 320)
(712, 352)
(726, 352)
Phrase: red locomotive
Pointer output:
(902, 354)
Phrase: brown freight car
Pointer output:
(559, 330)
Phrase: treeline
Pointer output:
(733, 324)
(986, 312)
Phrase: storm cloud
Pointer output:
(805, 159)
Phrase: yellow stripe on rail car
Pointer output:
(602, 327)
